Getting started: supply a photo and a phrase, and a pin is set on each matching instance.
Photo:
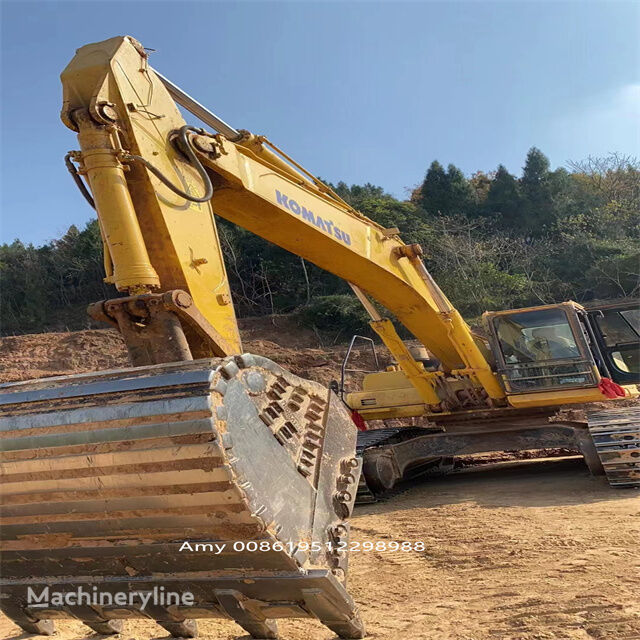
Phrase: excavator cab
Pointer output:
(544, 348)
(616, 332)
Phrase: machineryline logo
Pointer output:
(157, 596)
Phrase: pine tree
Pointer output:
(538, 208)
(445, 193)
(460, 193)
(433, 197)
(503, 202)
(535, 171)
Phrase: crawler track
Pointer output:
(616, 434)
(366, 440)
(373, 439)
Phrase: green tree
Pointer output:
(433, 195)
(445, 193)
(538, 213)
(504, 203)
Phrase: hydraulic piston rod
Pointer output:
(198, 110)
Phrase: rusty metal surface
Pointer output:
(106, 475)
(161, 327)
(393, 455)
(616, 434)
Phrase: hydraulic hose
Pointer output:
(78, 180)
(185, 147)
(188, 150)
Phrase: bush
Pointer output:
(336, 314)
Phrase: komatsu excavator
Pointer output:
(106, 475)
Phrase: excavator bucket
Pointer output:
(202, 489)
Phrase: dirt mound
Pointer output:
(51, 354)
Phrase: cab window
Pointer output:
(620, 327)
(620, 331)
(536, 336)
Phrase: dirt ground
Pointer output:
(42, 355)
(533, 551)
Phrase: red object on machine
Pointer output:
(610, 389)
(358, 421)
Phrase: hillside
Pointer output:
(42, 355)
(491, 241)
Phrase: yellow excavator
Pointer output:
(107, 475)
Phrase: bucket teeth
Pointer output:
(38, 627)
(107, 475)
(183, 629)
(250, 618)
(106, 628)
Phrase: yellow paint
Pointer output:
(385, 398)
(386, 380)
(158, 240)
(570, 396)
(174, 231)
(423, 381)
(132, 270)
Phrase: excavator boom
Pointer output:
(126, 117)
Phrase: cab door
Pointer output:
(616, 329)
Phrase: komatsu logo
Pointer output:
(326, 225)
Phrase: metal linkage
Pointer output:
(199, 110)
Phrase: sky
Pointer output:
(354, 91)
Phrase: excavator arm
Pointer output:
(159, 236)
(155, 240)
